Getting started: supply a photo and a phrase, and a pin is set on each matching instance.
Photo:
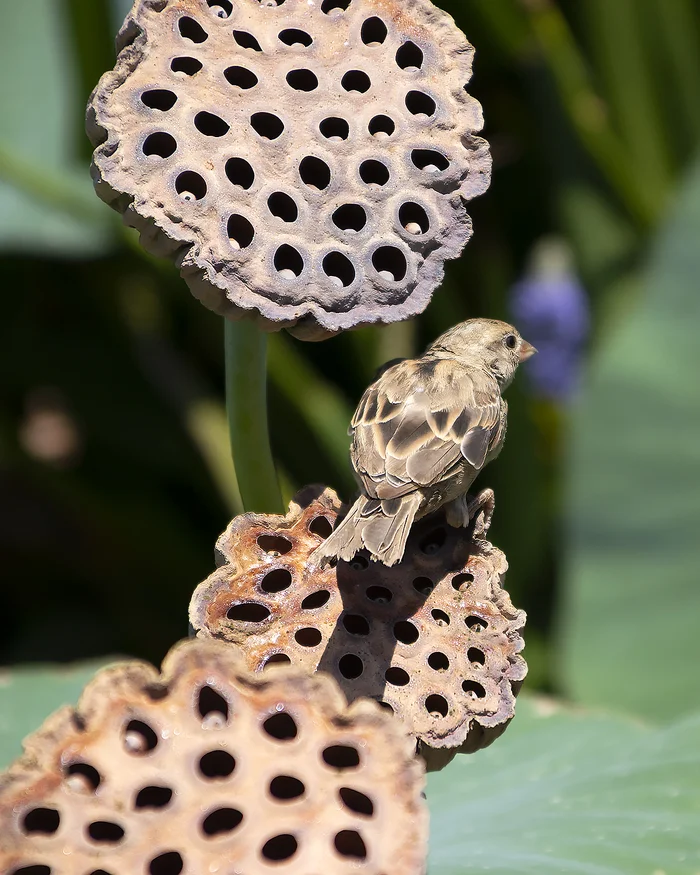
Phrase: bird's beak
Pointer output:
(526, 350)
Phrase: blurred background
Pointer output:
(115, 477)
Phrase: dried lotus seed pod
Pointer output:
(207, 769)
(435, 638)
(305, 163)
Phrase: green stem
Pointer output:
(246, 406)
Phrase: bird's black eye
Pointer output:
(511, 341)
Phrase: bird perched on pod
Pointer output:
(421, 434)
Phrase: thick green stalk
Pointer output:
(246, 406)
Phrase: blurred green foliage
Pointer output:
(114, 473)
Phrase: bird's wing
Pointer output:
(419, 421)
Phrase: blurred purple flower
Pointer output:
(550, 309)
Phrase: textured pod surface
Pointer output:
(306, 160)
(205, 768)
(436, 637)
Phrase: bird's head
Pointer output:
(488, 344)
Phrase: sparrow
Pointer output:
(420, 435)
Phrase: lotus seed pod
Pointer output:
(435, 638)
(305, 163)
(207, 769)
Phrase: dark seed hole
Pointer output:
(248, 612)
(153, 797)
(440, 617)
(381, 124)
(315, 600)
(139, 738)
(277, 659)
(280, 847)
(284, 787)
(188, 66)
(169, 863)
(379, 594)
(161, 144)
(246, 40)
(211, 125)
(423, 585)
(281, 726)
(429, 160)
(350, 217)
(321, 527)
(334, 128)
(87, 772)
(274, 544)
(192, 30)
(356, 80)
(221, 8)
(433, 541)
(475, 688)
(339, 268)
(350, 666)
(315, 173)
(356, 624)
(396, 676)
(288, 261)
(414, 218)
(308, 637)
(31, 870)
(418, 103)
(348, 843)
(356, 801)
(159, 98)
(294, 37)
(240, 172)
(221, 821)
(190, 185)
(409, 56)
(282, 206)
(329, 5)
(359, 563)
(438, 661)
(240, 77)
(217, 764)
(106, 832)
(210, 701)
(341, 756)
(461, 581)
(477, 624)
(385, 706)
(240, 232)
(302, 80)
(374, 172)
(373, 31)
(44, 821)
(390, 263)
(405, 632)
(476, 655)
(436, 705)
(276, 581)
(267, 125)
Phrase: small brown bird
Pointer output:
(421, 434)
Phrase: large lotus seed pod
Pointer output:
(436, 637)
(207, 769)
(304, 161)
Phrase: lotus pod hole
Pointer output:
(206, 767)
(305, 164)
(435, 639)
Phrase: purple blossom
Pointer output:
(550, 309)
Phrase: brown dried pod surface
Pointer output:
(208, 769)
(304, 161)
(435, 638)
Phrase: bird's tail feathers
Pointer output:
(381, 527)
